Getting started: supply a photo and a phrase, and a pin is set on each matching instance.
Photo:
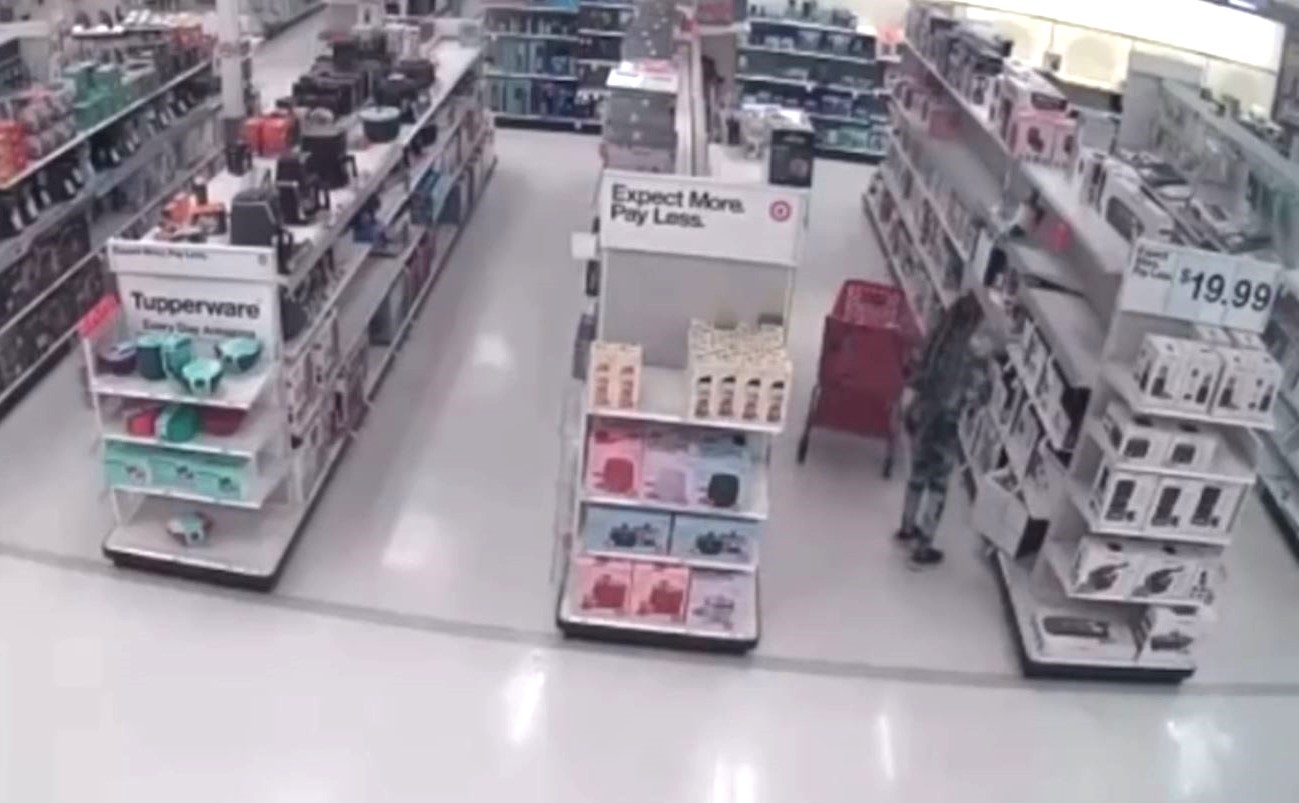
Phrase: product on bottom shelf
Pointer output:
(603, 585)
(658, 593)
(191, 528)
(616, 529)
(715, 539)
(1166, 634)
(1083, 633)
(719, 601)
(613, 458)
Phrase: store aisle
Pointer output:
(118, 692)
(444, 505)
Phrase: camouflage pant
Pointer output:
(934, 453)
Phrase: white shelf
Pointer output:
(235, 391)
(601, 32)
(673, 560)
(369, 291)
(549, 37)
(839, 118)
(775, 79)
(1071, 330)
(259, 427)
(576, 122)
(261, 489)
(531, 76)
(1126, 385)
(1078, 494)
(808, 54)
(756, 510)
(1227, 467)
(811, 25)
(527, 7)
(905, 211)
(663, 399)
(1060, 562)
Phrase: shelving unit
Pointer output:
(305, 399)
(749, 283)
(1072, 310)
(827, 67)
(539, 75)
(51, 270)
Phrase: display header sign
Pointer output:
(1200, 286)
(701, 217)
(189, 260)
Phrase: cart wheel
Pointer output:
(802, 448)
(888, 466)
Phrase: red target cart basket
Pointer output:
(866, 349)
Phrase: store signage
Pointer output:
(701, 217)
(188, 260)
(1200, 286)
(203, 308)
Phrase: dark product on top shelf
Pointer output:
(300, 191)
(272, 134)
(256, 219)
(381, 123)
(792, 154)
(399, 92)
(420, 71)
(325, 142)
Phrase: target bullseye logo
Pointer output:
(780, 211)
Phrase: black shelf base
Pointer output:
(1273, 508)
(1042, 670)
(504, 120)
(646, 638)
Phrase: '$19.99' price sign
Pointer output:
(1203, 287)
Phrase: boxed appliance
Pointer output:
(1001, 515)
(127, 464)
(1166, 633)
(716, 539)
(1104, 566)
(1201, 367)
(620, 529)
(615, 375)
(1157, 367)
(720, 602)
(1174, 499)
(1214, 508)
(721, 473)
(1249, 384)
(613, 458)
(792, 150)
(1189, 446)
(1167, 572)
(1134, 438)
(667, 465)
(603, 585)
(1082, 632)
(658, 593)
(1260, 393)
(1128, 210)
(1121, 498)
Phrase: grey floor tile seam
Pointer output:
(502, 634)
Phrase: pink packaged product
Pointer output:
(1042, 138)
(613, 458)
(719, 601)
(603, 585)
(666, 465)
(658, 593)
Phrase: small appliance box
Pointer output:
(603, 585)
(618, 529)
(1167, 634)
(1083, 633)
(1189, 446)
(1158, 367)
(658, 593)
(1167, 572)
(613, 458)
(1201, 367)
(1134, 438)
(714, 538)
(1104, 566)
(1121, 497)
(722, 469)
(720, 602)
(1174, 501)
(1214, 509)
(1001, 516)
(1233, 386)
(667, 465)
(792, 153)
(615, 375)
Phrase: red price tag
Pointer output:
(102, 313)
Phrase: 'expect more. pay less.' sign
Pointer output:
(701, 217)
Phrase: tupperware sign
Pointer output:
(700, 217)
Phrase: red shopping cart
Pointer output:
(866, 346)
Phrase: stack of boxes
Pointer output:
(134, 466)
(36, 122)
(640, 117)
(615, 375)
(741, 374)
(1226, 373)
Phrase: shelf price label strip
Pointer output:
(1200, 286)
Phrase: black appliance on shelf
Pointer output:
(300, 191)
(325, 142)
(420, 71)
(257, 220)
(400, 92)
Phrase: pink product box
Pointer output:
(1041, 138)
(603, 585)
(666, 466)
(658, 593)
(613, 458)
(719, 601)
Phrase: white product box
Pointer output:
(704, 375)
(1157, 367)
(1245, 341)
(1237, 376)
(1104, 566)
(1265, 381)
(1167, 634)
(1001, 516)
(1167, 572)
(1201, 367)
(1189, 446)
(1213, 510)
(1173, 502)
(750, 401)
(1067, 633)
(1213, 335)
(603, 370)
(1134, 438)
(775, 390)
(1208, 574)
(1120, 497)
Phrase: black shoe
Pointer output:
(924, 556)
(906, 535)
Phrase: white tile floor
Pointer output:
(409, 653)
